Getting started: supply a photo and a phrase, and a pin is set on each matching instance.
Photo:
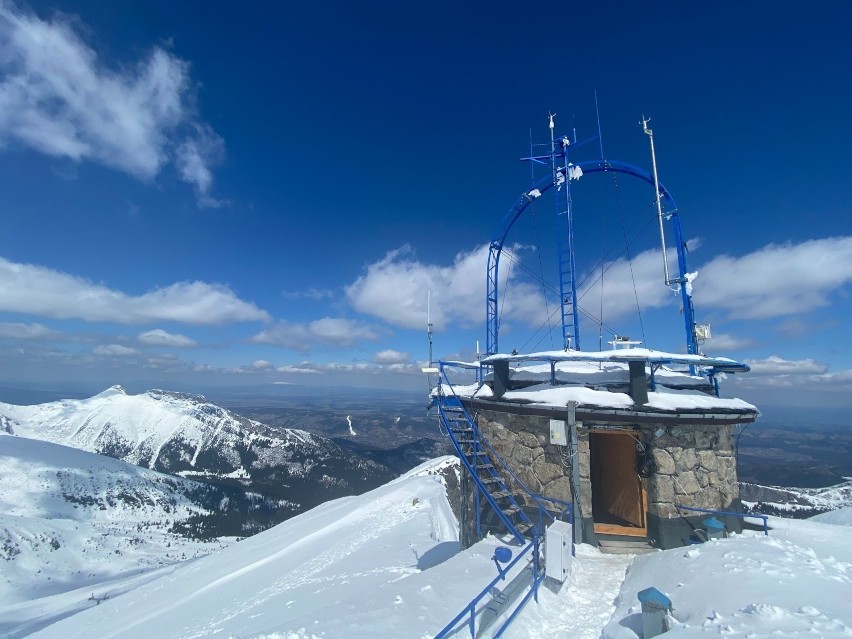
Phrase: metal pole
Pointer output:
(650, 134)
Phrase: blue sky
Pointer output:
(241, 195)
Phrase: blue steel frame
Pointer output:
(589, 166)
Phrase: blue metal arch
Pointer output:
(589, 166)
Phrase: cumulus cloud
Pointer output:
(619, 296)
(37, 290)
(58, 98)
(778, 279)
(394, 289)
(724, 341)
(774, 365)
(373, 368)
(390, 356)
(751, 286)
(306, 368)
(329, 331)
(114, 350)
(15, 330)
(159, 337)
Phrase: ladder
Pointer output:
(472, 449)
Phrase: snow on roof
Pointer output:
(598, 380)
(622, 355)
(664, 399)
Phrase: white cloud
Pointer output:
(193, 158)
(261, 365)
(776, 280)
(114, 350)
(15, 330)
(390, 356)
(619, 296)
(303, 368)
(774, 365)
(394, 289)
(37, 290)
(159, 337)
(371, 368)
(58, 98)
(330, 331)
(724, 341)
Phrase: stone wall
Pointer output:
(524, 444)
(695, 466)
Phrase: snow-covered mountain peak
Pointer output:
(189, 436)
(172, 432)
(117, 389)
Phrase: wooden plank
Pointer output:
(627, 531)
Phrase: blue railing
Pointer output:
(470, 609)
(452, 402)
(710, 511)
(537, 498)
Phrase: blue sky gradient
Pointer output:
(210, 195)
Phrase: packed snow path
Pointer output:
(583, 605)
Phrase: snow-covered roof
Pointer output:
(651, 356)
(599, 381)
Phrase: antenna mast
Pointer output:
(650, 134)
(429, 322)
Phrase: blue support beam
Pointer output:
(568, 301)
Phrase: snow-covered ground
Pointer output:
(386, 564)
(70, 519)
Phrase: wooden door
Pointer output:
(617, 491)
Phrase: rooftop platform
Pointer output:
(680, 388)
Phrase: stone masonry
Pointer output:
(694, 465)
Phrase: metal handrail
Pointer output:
(471, 607)
(536, 497)
(710, 511)
(488, 497)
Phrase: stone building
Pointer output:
(622, 438)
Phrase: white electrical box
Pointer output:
(557, 550)
(558, 432)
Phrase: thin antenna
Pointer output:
(598, 116)
(650, 134)
(532, 164)
(553, 148)
(429, 322)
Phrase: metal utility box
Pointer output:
(715, 528)
(557, 550)
(558, 432)
(655, 609)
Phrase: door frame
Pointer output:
(613, 529)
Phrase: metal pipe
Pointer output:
(650, 134)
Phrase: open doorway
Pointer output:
(618, 493)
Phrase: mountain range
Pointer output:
(281, 471)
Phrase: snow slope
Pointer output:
(71, 519)
(385, 564)
(346, 569)
(188, 436)
(795, 583)
(795, 502)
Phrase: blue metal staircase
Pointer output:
(472, 449)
